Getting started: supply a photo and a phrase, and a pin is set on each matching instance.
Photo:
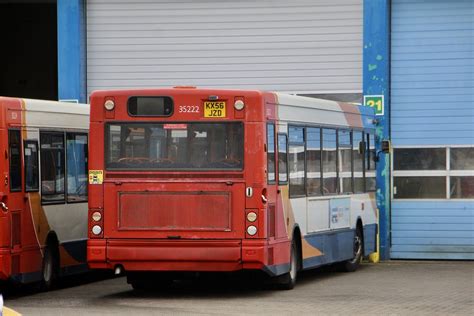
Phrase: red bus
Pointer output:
(189, 179)
(43, 192)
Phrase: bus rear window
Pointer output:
(174, 146)
(150, 106)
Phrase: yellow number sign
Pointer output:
(376, 102)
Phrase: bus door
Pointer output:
(13, 202)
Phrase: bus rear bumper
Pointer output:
(180, 255)
(164, 255)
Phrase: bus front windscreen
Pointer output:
(174, 146)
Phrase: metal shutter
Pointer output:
(300, 46)
(432, 104)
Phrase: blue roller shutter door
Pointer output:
(432, 107)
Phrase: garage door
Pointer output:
(296, 46)
(432, 114)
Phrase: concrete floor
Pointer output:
(390, 288)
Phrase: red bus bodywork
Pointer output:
(188, 220)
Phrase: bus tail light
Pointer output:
(251, 216)
(96, 216)
(252, 224)
(109, 105)
(251, 230)
(96, 223)
(239, 107)
(96, 230)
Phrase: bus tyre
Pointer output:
(287, 281)
(49, 271)
(358, 244)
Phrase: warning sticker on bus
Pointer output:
(175, 126)
(214, 109)
(96, 176)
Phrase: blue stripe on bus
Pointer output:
(275, 270)
(336, 246)
(370, 239)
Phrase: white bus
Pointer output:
(268, 181)
(43, 190)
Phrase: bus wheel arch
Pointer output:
(351, 265)
(361, 229)
(50, 265)
(299, 248)
(287, 281)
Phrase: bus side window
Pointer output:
(52, 167)
(271, 172)
(282, 159)
(296, 161)
(329, 157)
(358, 150)
(313, 161)
(76, 153)
(14, 144)
(345, 161)
(31, 166)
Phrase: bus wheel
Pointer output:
(353, 264)
(287, 281)
(49, 271)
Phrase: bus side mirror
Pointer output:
(361, 148)
(385, 146)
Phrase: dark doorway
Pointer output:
(28, 58)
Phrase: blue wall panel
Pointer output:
(432, 103)
(71, 50)
(432, 67)
(433, 230)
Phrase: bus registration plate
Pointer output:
(214, 108)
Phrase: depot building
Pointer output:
(412, 60)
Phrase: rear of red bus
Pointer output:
(177, 181)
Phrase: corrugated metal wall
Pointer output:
(432, 103)
(432, 66)
(432, 230)
(301, 46)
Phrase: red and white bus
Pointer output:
(188, 179)
(43, 190)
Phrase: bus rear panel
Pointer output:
(174, 173)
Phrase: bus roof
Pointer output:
(291, 108)
(45, 113)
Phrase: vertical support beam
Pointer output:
(71, 50)
(376, 73)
